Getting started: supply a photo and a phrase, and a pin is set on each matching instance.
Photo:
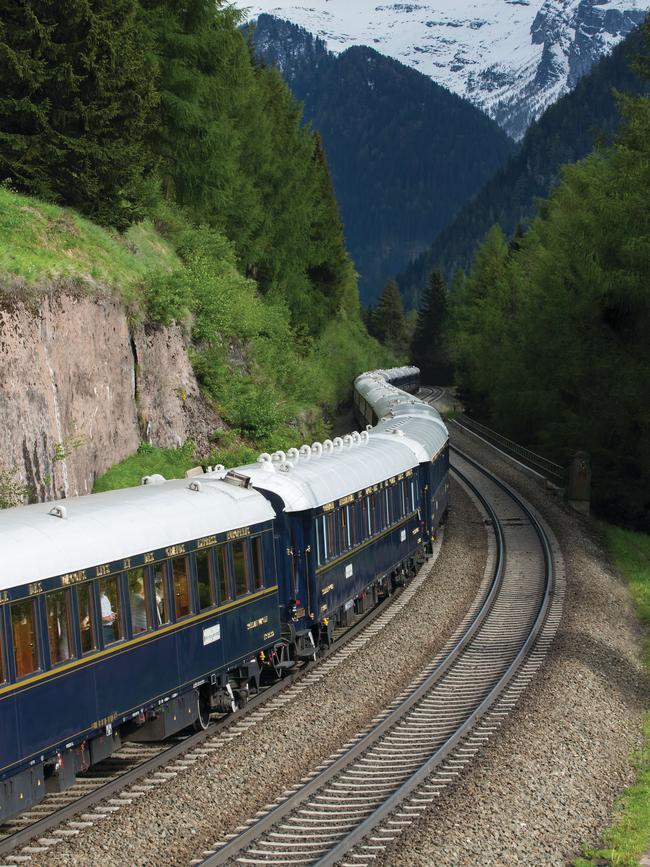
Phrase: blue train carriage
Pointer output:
(129, 614)
(397, 413)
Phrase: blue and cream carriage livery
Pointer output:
(135, 613)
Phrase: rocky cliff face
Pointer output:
(80, 389)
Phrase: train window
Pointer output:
(23, 627)
(205, 578)
(414, 499)
(319, 544)
(138, 599)
(345, 539)
(161, 603)
(86, 624)
(224, 574)
(3, 670)
(59, 626)
(330, 530)
(241, 572)
(258, 562)
(180, 575)
(111, 610)
(366, 518)
(352, 524)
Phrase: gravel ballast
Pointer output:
(177, 821)
(548, 782)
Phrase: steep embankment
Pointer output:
(83, 379)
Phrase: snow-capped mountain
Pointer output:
(512, 58)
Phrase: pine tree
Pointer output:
(389, 325)
(428, 345)
(76, 96)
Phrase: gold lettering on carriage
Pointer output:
(4, 596)
(100, 571)
(345, 500)
(35, 587)
(239, 533)
(206, 541)
(175, 550)
(259, 622)
(149, 557)
(73, 577)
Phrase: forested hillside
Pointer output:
(565, 133)
(404, 153)
(550, 333)
(154, 114)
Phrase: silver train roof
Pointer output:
(98, 528)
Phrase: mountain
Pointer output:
(404, 153)
(511, 58)
(566, 132)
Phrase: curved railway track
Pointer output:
(136, 768)
(354, 806)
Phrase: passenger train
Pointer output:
(135, 613)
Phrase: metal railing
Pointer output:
(548, 469)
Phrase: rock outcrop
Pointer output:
(80, 389)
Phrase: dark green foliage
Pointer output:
(404, 153)
(565, 133)
(428, 345)
(551, 337)
(388, 324)
(76, 97)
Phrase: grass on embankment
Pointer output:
(629, 836)
(43, 243)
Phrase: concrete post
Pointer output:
(578, 491)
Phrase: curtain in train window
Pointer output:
(343, 519)
(181, 581)
(258, 563)
(205, 578)
(86, 622)
(59, 625)
(111, 610)
(161, 603)
(330, 529)
(3, 670)
(138, 600)
(241, 571)
(23, 627)
(387, 499)
(352, 524)
(319, 545)
(224, 574)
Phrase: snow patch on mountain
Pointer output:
(512, 58)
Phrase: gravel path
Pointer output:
(177, 821)
(549, 780)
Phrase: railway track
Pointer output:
(355, 805)
(137, 769)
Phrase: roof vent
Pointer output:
(279, 456)
(305, 452)
(264, 458)
(58, 512)
(285, 467)
(317, 449)
(219, 468)
(155, 479)
(195, 486)
(364, 437)
(239, 480)
(328, 446)
(347, 440)
(337, 442)
(293, 454)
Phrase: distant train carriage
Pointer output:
(135, 613)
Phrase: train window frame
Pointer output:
(115, 578)
(158, 621)
(331, 534)
(209, 554)
(69, 619)
(4, 674)
(146, 594)
(246, 571)
(256, 550)
(224, 573)
(91, 629)
(37, 652)
(344, 529)
(175, 595)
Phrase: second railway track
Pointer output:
(355, 805)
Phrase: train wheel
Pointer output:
(202, 720)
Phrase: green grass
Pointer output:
(629, 836)
(42, 243)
